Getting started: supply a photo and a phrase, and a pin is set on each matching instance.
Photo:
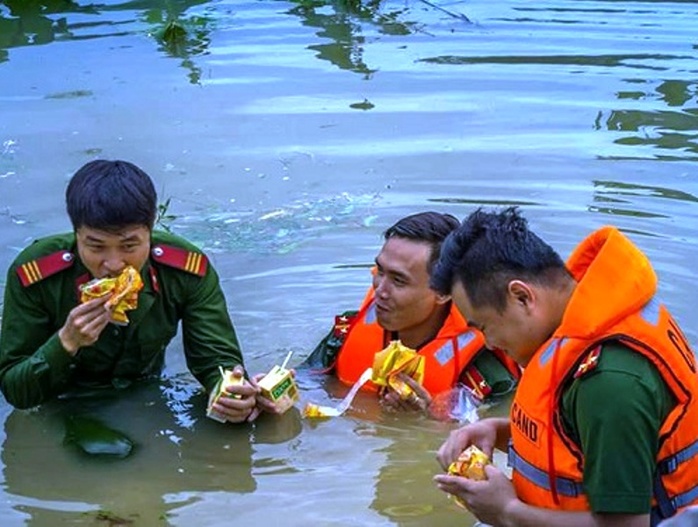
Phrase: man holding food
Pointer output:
(401, 308)
(77, 316)
(603, 426)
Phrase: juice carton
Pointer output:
(227, 379)
(278, 386)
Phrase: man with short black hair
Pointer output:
(603, 427)
(52, 344)
(400, 305)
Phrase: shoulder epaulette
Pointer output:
(190, 261)
(474, 380)
(589, 363)
(343, 322)
(36, 270)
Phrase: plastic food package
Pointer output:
(456, 404)
(123, 290)
(470, 464)
(394, 359)
(315, 410)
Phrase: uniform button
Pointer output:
(116, 332)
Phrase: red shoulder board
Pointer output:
(474, 380)
(342, 323)
(36, 270)
(589, 363)
(190, 261)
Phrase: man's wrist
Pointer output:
(69, 348)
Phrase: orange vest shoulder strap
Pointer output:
(36, 270)
(190, 261)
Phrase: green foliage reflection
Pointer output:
(344, 23)
(37, 22)
(672, 125)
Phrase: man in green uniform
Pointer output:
(51, 344)
(602, 430)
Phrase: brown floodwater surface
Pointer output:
(283, 138)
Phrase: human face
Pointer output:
(513, 331)
(404, 301)
(106, 254)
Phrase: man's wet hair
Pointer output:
(110, 195)
(487, 251)
(428, 227)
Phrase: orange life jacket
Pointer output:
(547, 464)
(448, 356)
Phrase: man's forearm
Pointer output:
(31, 380)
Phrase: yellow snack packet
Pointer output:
(123, 290)
(397, 358)
(313, 410)
(470, 464)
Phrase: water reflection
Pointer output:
(675, 129)
(173, 462)
(180, 36)
(37, 22)
(31, 22)
(343, 21)
(636, 200)
(405, 492)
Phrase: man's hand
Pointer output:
(485, 434)
(493, 501)
(419, 399)
(264, 404)
(487, 499)
(241, 405)
(84, 324)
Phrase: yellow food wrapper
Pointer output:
(278, 386)
(123, 290)
(313, 410)
(227, 379)
(397, 358)
(470, 464)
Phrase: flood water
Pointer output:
(284, 137)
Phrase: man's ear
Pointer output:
(442, 299)
(521, 293)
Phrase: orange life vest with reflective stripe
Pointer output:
(447, 357)
(547, 464)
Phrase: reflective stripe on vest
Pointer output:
(563, 486)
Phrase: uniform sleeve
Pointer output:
(34, 366)
(496, 374)
(208, 334)
(616, 412)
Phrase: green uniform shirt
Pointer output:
(614, 413)
(34, 367)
